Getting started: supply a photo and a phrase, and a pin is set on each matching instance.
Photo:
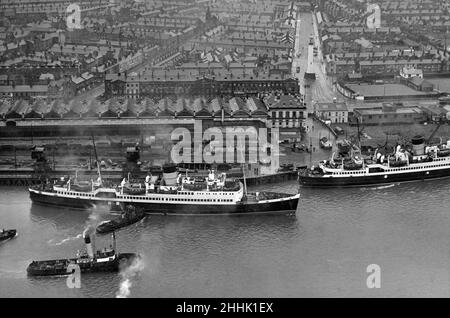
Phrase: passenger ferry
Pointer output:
(419, 163)
(173, 193)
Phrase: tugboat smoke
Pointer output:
(127, 275)
(91, 221)
(67, 239)
(95, 215)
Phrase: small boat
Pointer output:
(352, 165)
(130, 216)
(7, 234)
(106, 260)
(443, 153)
(134, 189)
(82, 186)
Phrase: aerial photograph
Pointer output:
(224, 149)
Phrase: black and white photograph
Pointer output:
(218, 149)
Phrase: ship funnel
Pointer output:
(170, 174)
(211, 175)
(418, 144)
(113, 238)
(89, 240)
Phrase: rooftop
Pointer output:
(283, 101)
(369, 90)
(327, 107)
(382, 111)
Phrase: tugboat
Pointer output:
(130, 216)
(107, 260)
(7, 234)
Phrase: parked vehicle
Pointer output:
(338, 130)
(325, 143)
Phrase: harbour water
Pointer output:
(322, 251)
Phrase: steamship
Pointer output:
(89, 261)
(167, 194)
(419, 162)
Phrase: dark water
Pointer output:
(322, 251)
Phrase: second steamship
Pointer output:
(419, 162)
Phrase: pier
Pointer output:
(29, 178)
(271, 178)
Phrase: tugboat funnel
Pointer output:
(89, 239)
(114, 241)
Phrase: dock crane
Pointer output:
(132, 164)
(41, 165)
(434, 131)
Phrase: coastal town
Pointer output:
(229, 148)
(130, 72)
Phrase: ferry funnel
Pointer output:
(170, 174)
(89, 240)
(418, 145)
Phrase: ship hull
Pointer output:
(64, 202)
(9, 234)
(51, 269)
(368, 180)
(279, 207)
(283, 206)
(111, 227)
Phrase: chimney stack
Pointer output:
(89, 240)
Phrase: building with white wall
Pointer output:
(334, 112)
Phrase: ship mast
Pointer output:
(96, 158)
(359, 133)
(243, 173)
(245, 181)
(113, 237)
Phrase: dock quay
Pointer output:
(28, 178)
(23, 178)
(271, 178)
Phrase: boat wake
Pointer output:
(128, 274)
(11, 274)
(143, 220)
(380, 187)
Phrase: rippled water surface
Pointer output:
(322, 251)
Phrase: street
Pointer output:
(320, 90)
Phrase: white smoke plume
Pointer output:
(93, 219)
(67, 239)
(95, 215)
(128, 274)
